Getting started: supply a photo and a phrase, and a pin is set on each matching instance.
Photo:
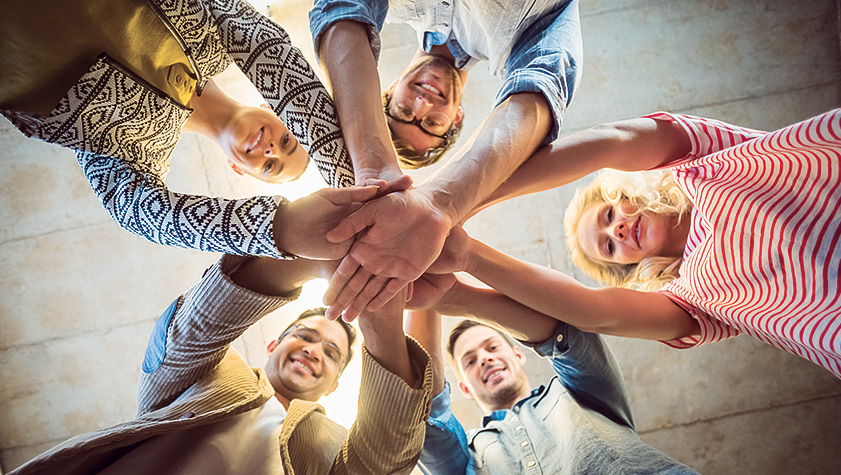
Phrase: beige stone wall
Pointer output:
(79, 296)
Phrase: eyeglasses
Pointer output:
(331, 350)
(431, 121)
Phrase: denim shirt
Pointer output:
(579, 422)
(532, 46)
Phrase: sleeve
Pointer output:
(193, 335)
(547, 59)
(371, 13)
(141, 203)
(707, 136)
(589, 371)
(388, 434)
(264, 53)
(445, 448)
(712, 329)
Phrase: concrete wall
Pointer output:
(79, 296)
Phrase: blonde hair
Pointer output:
(656, 192)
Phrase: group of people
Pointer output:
(729, 230)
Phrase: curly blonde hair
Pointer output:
(656, 192)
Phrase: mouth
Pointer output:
(430, 89)
(303, 365)
(493, 375)
(637, 231)
(256, 141)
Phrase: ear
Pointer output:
(520, 355)
(235, 168)
(332, 388)
(459, 115)
(464, 390)
(271, 346)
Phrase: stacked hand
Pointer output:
(398, 236)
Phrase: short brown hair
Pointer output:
(412, 159)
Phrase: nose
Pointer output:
(422, 105)
(312, 352)
(269, 150)
(619, 230)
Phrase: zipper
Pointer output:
(187, 51)
(116, 65)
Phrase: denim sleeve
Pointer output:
(547, 59)
(445, 449)
(369, 12)
(588, 369)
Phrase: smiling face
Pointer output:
(491, 370)
(259, 144)
(621, 234)
(428, 91)
(300, 367)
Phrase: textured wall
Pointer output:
(79, 296)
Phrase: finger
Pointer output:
(351, 225)
(372, 288)
(347, 268)
(340, 196)
(350, 292)
(389, 291)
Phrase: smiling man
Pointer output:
(577, 422)
(533, 47)
(202, 409)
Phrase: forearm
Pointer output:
(194, 334)
(488, 305)
(509, 135)
(613, 311)
(346, 56)
(129, 195)
(386, 343)
(630, 145)
(425, 327)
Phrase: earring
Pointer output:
(235, 168)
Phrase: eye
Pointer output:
(404, 112)
(332, 354)
(268, 165)
(610, 247)
(285, 140)
(306, 336)
(468, 364)
(609, 214)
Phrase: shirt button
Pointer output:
(560, 338)
(532, 463)
(524, 444)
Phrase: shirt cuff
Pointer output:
(535, 80)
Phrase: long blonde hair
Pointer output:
(656, 192)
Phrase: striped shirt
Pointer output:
(763, 255)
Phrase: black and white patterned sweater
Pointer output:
(124, 130)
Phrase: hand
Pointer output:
(300, 226)
(430, 291)
(454, 255)
(403, 234)
(382, 172)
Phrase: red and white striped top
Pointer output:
(764, 252)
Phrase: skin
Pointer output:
(255, 140)
(302, 370)
(622, 234)
(492, 371)
(430, 84)
(382, 261)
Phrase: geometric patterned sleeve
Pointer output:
(264, 53)
(141, 203)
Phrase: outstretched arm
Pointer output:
(629, 145)
(345, 53)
